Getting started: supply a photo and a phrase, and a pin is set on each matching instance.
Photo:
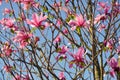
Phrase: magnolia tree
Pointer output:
(59, 40)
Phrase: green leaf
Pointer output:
(45, 9)
(78, 30)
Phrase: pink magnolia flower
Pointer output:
(7, 68)
(23, 16)
(7, 49)
(22, 38)
(28, 3)
(65, 31)
(99, 18)
(62, 50)
(104, 7)
(102, 4)
(9, 23)
(116, 8)
(57, 39)
(59, 22)
(78, 58)
(66, 2)
(26, 77)
(109, 43)
(61, 76)
(113, 63)
(112, 73)
(7, 11)
(17, 77)
(79, 21)
(37, 20)
(35, 4)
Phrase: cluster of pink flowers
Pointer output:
(109, 43)
(7, 50)
(27, 3)
(113, 63)
(57, 39)
(38, 21)
(8, 23)
(78, 58)
(78, 22)
(7, 11)
(62, 50)
(7, 68)
(22, 38)
(104, 7)
(61, 76)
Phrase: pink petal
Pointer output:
(112, 73)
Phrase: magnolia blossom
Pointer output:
(102, 4)
(57, 39)
(28, 3)
(7, 50)
(37, 21)
(8, 22)
(114, 65)
(61, 76)
(79, 21)
(26, 77)
(22, 38)
(116, 8)
(78, 58)
(7, 11)
(99, 18)
(7, 68)
(17, 77)
(104, 7)
(65, 31)
(66, 2)
(109, 43)
(59, 22)
(62, 50)
(112, 73)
